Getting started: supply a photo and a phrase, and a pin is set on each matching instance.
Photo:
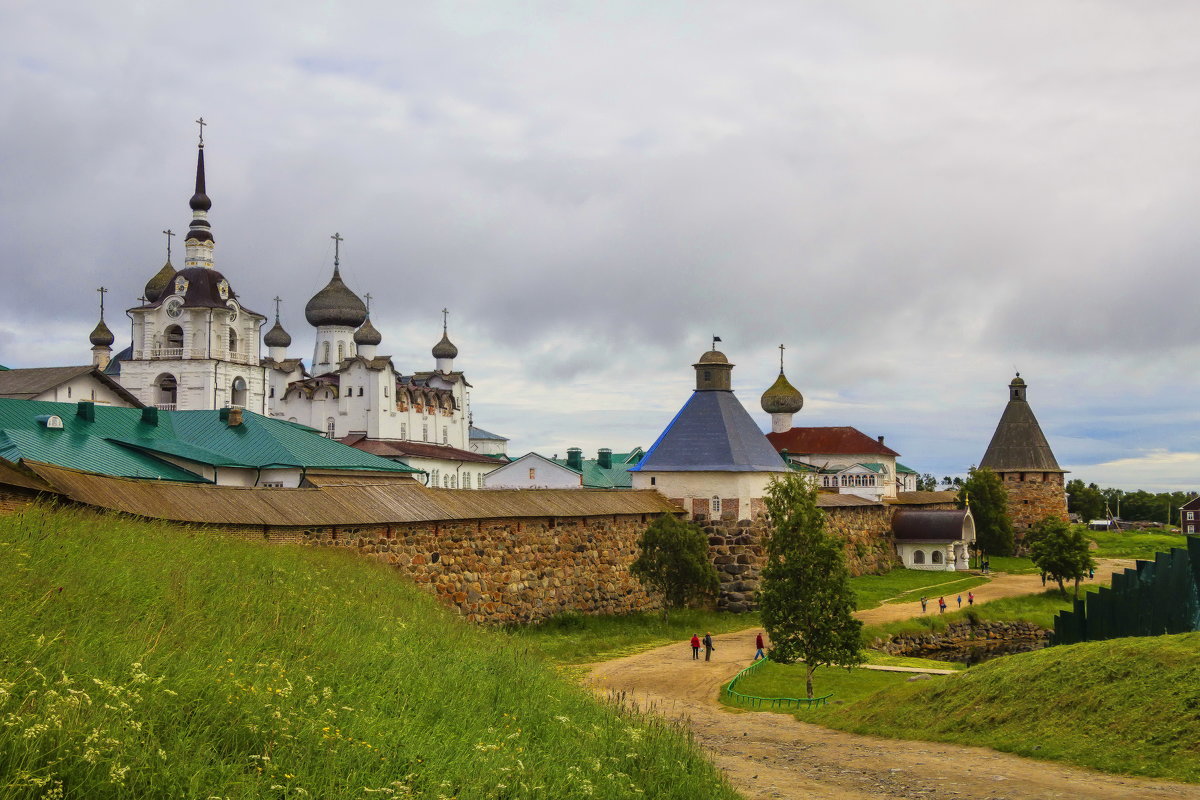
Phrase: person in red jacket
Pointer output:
(758, 643)
(941, 605)
(695, 647)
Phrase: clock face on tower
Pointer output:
(174, 307)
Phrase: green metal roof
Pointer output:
(118, 442)
(597, 477)
(873, 467)
(900, 468)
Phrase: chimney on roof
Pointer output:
(234, 417)
(881, 440)
(86, 410)
(604, 458)
(150, 415)
(575, 458)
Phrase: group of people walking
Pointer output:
(707, 643)
(942, 602)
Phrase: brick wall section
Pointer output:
(1034, 498)
(504, 570)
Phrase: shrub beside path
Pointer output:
(770, 756)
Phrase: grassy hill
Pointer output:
(142, 660)
(1126, 705)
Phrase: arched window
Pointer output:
(168, 389)
(174, 338)
(325, 353)
(715, 505)
(445, 435)
(341, 352)
(433, 477)
(445, 481)
(466, 480)
(329, 428)
(937, 557)
(918, 556)
(233, 340)
(237, 393)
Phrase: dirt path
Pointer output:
(775, 756)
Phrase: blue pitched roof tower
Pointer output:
(712, 458)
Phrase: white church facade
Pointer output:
(195, 346)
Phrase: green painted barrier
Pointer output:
(752, 701)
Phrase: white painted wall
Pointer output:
(533, 472)
(745, 486)
(84, 387)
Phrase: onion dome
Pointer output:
(367, 335)
(782, 397)
(445, 348)
(156, 285)
(102, 336)
(335, 305)
(1017, 381)
(277, 336)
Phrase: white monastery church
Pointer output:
(195, 346)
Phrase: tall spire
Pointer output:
(199, 240)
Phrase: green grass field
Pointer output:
(142, 660)
(1126, 705)
(787, 680)
(1012, 565)
(1039, 609)
(1133, 544)
(907, 586)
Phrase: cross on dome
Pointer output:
(201, 123)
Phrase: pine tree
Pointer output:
(985, 493)
(674, 562)
(807, 604)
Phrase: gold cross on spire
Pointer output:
(201, 123)
(102, 292)
(337, 248)
(169, 234)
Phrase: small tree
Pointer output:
(674, 562)
(985, 493)
(1060, 551)
(806, 603)
(926, 483)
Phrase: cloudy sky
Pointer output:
(916, 198)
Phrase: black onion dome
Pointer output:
(277, 336)
(335, 305)
(445, 348)
(367, 334)
(102, 336)
(200, 201)
(160, 281)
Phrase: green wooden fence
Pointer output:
(1157, 597)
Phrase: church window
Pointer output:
(232, 341)
(937, 557)
(360, 394)
(325, 353)
(433, 477)
(174, 337)
(424, 433)
(445, 435)
(341, 352)
(445, 481)
(167, 391)
(715, 505)
(453, 481)
(329, 428)
(466, 480)
(918, 556)
(271, 393)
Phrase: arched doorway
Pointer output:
(237, 393)
(167, 391)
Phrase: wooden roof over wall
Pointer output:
(361, 504)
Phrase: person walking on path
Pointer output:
(970, 598)
(695, 647)
(941, 605)
(960, 601)
(758, 644)
(708, 646)
(924, 603)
